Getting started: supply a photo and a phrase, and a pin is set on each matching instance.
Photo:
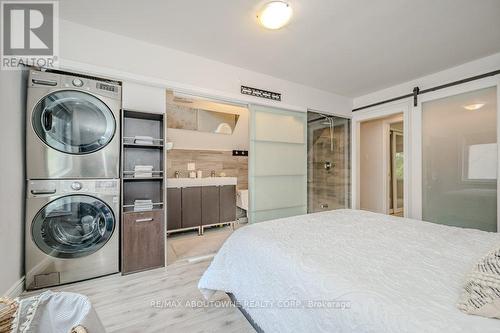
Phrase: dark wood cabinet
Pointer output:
(194, 207)
(191, 207)
(142, 231)
(210, 202)
(174, 208)
(227, 203)
(143, 241)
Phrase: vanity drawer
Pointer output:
(143, 241)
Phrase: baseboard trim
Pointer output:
(16, 289)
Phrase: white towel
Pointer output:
(142, 205)
(140, 174)
(143, 140)
(143, 168)
(143, 171)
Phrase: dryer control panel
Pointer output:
(67, 81)
(37, 188)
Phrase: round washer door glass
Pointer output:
(73, 226)
(73, 122)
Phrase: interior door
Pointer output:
(397, 172)
(277, 163)
(459, 150)
(73, 226)
(73, 122)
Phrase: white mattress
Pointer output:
(388, 273)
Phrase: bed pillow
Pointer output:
(481, 294)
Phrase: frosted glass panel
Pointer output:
(277, 165)
(459, 156)
(282, 192)
(282, 126)
(266, 215)
(280, 159)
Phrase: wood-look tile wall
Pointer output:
(208, 160)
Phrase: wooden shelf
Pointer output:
(136, 145)
(143, 231)
(138, 179)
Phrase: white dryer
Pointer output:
(72, 231)
(72, 127)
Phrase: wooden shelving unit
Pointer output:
(143, 232)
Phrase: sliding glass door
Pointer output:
(277, 163)
(328, 159)
(459, 159)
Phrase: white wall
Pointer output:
(473, 68)
(94, 51)
(413, 158)
(141, 97)
(12, 179)
(374, 163)
(371, 166)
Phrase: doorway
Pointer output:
(381, 165)
(328, 161)
(396, 164)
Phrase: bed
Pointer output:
(350, 271)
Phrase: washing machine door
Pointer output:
(73, 226)
(73, 122)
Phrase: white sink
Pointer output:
(193, 182)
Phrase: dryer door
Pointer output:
(73, 122)
(73, 226)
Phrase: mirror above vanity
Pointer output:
(190, 113)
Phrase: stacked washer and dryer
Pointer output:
(73, 187)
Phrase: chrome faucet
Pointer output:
(212, 173)
(177, 174)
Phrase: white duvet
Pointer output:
(365, 272)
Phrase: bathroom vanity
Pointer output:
(197, 203)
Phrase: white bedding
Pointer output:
(387, 274)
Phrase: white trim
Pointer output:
(371, 114)
(386, 130)
(335, 114)
(16, 289)
(69, 65)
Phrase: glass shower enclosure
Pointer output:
(328, 162)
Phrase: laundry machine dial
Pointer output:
(77, 82)
(76, 186)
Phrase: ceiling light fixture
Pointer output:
(473, 107)
(275, 15)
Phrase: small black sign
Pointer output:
(240, 152)
(261, 93)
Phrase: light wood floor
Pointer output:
(145, 302)
(185, 246)
(125, 303)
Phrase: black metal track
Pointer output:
(417, 91)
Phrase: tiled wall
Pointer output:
(328, 187)
(206, 161)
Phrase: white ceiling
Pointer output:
(350, 47)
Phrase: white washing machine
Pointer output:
(72, 231)
(72, 127)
